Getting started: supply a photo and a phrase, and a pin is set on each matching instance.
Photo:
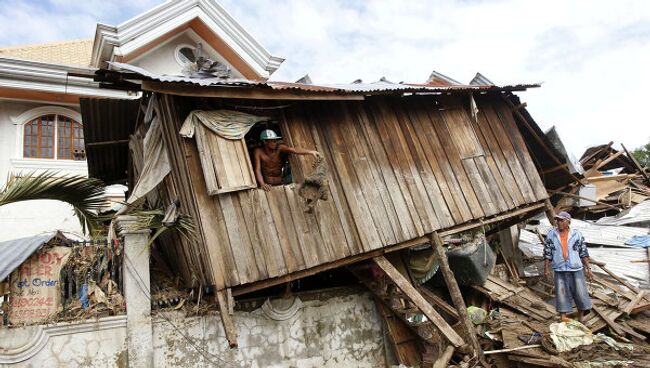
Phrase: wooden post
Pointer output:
(456, 296)
(636, 163)
(226, 319)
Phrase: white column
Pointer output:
(137, 292)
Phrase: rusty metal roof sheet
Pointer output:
(381, 86)
(107, 126)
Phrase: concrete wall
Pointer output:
(29, 218)
(343, 330)
(86, 344)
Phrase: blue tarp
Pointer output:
(639, 241)
(14, 252)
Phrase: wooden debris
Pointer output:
(412, 295)
(226, 318)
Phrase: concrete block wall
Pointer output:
(341, 330)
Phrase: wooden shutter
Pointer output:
(226, 163)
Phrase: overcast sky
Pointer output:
(593, 57)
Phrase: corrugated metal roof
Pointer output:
(107, 126)
(14, 252)
(638, 215)
(439, 79)
(480, 80)
(381, 86)
(617, 260)
(614, 236)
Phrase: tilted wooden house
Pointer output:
(404, 161)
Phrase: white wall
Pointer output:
(162, 59)
(28, 218)
(343, 330)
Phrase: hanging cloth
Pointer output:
(227, 124)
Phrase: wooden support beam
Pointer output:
(555, 168)
(243, 92)
(636, 163)
(586, 159)
(520, 106)
(490, 220)
(585, 198)
(444, 358)
(107, 143)
(456, 296)
(608, 160)
(419, 301)
(226, 318)
(539, 139)
(439, 302)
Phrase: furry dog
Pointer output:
(315, 186)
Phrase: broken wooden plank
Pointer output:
(444, 358)
(636, 163)
(630, 307)
(403, 339)
(226, 319)
(438, 301)
(419, 301)
(512, 349)
(615, 326)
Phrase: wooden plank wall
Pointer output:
(399, 169)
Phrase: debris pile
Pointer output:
(524, 327)
(91, 282)
(613, 181)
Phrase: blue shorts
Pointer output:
(570, 287)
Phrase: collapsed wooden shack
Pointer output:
(408, 165)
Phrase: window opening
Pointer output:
(53, 136)
(254, 142)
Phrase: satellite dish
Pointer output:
(198, 66)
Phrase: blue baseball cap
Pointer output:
(563, 215)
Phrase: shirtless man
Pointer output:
(268, 163)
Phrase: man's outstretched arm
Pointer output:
(298, 151)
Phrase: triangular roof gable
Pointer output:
(208, 19)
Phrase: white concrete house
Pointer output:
(40, 87)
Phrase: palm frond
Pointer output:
(86, 195)
(153, 219)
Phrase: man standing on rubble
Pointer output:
(268, 162)
(566, 252)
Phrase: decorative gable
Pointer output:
(163, 28)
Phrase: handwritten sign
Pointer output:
(35, 286)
